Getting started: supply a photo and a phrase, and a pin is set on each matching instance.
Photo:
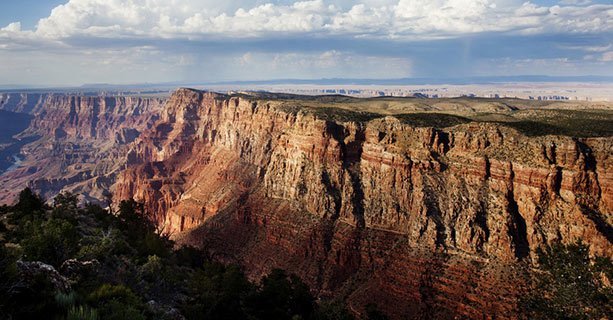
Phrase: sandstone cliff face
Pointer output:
(75, 143)
(377, 210)
(29, 103)
(95, 118)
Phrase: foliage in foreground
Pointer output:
(117, 266)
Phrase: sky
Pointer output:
(74, 42)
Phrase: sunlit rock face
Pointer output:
(421, 220)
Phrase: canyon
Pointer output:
(72, 142)
(429, 208)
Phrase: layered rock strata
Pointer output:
(75, 143)
(422, 220)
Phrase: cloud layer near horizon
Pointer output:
(167, 40)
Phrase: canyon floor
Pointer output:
(430, 208)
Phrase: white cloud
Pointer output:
(201, 38)
(12, 27)
(601, 48)
(75, 67)
(321, 65)
(412, 19)
(575, 2)
(363, 20)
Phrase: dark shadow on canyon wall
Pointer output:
(11, 124)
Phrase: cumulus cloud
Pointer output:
(12, 27)
(327, 38)
(392, 19)
(403, 20)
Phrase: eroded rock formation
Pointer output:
(423, 220)
(75, 143)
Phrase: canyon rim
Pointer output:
(306, 159)
(421, 216)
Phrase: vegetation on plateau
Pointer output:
(529, 119)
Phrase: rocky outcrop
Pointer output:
(28, 103)
(30, 272)
(75, 143)
(429, 221)
(114, 118)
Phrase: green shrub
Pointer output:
(117, 310)
(132, 219)
(569, 285)
(104, 245)
(100, 215)
(51, 242)
(65, 300)
(153, 244)
(8, 272)
(153, 269)
(190, 257)
(437, 120)
(140, 264)
(82, 313)
(217, 292)
(117, 302)
(141, 232)
(108, 292)
(66, 201)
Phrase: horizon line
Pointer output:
(330, 81)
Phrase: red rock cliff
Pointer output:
(75, 143)
(427, 221)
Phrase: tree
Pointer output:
(132, 217)
(108, 199)
(66, 201)
(569, 285)
(65, 207)
(115, 263)
(217, 292)
(282, 297)
(142, 232)
(28, 202)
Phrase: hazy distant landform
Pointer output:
(557, 88)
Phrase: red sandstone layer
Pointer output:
(428, 221)
(76, 143)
